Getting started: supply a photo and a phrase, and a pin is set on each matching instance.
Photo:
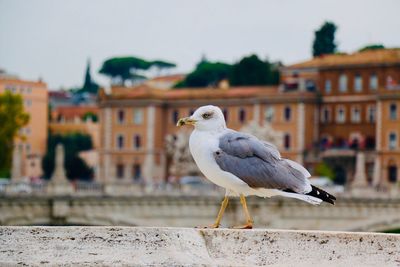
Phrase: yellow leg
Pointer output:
(249, 221)
(224, 204)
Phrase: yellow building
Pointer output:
(35, 97)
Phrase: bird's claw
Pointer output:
(212, 226)
(245, 226)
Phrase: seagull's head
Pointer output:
(205, 118)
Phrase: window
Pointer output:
(137, 116)
(392, 173)
(121, 116)
(269, 114)
(373, 82)
(136, 172)
(175, 116)
(343, 83)
(328, 86)
(28, 102)
(242, 115)
(120, 141)
(358, 83)
(28, 148)
(355, 114)
(191, 111)
(225, 111)
(392, 141)
(287, 113)
(137, 142)
(371, 114)
(120, 171)
(286, 141)
(325, 115)
(341, 115)
(393, 111)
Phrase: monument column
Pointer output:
(16, 174)
(148, 165)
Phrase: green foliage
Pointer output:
(121, 69)
(323, 169)
(91, 115)
(12, 118)
(89, 86)
(253, 71)
(162, 64)
(75, 167)
(372, 47)
(324, 42)
(206, 74)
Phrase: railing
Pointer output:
(100, 189)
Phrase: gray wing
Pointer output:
(259, 164)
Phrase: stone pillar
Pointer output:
(377, 172)
(148, 165)
(59, 184)
(360, 177)
(300, 131)
(16, 174)
(107, 141)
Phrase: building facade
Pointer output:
(35, 97)
(340, 109)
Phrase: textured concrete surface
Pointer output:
(130, 246)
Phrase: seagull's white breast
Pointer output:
(202, 145)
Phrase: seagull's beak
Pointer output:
(186, 121)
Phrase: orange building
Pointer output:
(358, 110)
(35, 97)
(135, 122)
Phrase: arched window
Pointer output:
(120, 141)
(137, 142)
(343, 83)
(393, 111)
(242, 115)
(286, 141)
(358, 83)
(373, 81)
(191, 111)
(341, 114)
(136, 172)
(120, 171)
(392, 141)
(288, 113)
(328, 86)
(121, 116)
(137, 116)
(269, 114)
(175, 116)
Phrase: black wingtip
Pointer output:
(321, 194)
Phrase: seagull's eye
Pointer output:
(206, 116)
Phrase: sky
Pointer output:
(53, 39)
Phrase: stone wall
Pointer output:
(131, 246)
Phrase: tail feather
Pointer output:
(315, 193)
(321, 194)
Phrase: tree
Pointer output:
(206, 74)
(372, 47)
(122, 69)
(12, 118)
(89, 86)
(264, 132)
(324, 42)
(253, 71)
(75, 167)
(162, 65)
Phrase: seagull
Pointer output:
(245, 165)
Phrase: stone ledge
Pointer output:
(136, 246)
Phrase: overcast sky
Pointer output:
(52, 39)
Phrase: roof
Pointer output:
(146, 92)
(368, 57)
(70, 112)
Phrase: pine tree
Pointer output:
(324, 42)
